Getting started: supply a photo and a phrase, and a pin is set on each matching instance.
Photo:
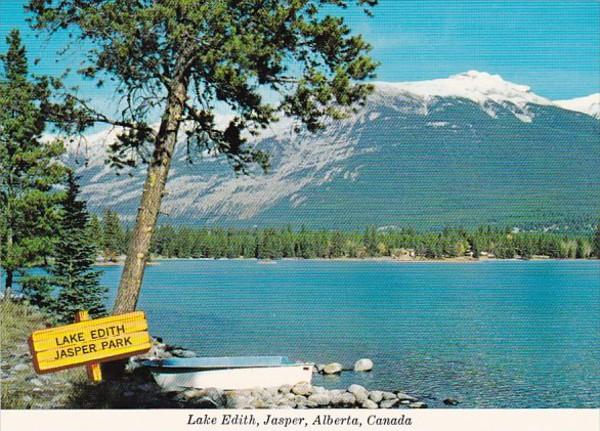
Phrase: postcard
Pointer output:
(299, 215)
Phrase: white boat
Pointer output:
(228, 373)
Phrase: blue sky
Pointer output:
(552, 46)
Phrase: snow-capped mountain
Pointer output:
(467, 150)
(589, 105)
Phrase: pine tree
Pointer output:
(596, 244)
(95, 231)
(29, 171)
(113, 235)
(72, 272)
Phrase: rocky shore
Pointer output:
(137, 389)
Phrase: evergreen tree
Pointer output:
(370, 241)
(112, 235)
(72, 272)
(29, 171)
(96, 232)
(38, 291)
(596, 245)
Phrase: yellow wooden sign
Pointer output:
(89, 342)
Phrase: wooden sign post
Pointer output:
(89, 342)
(94, 372)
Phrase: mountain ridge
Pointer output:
(429, 153)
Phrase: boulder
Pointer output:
(239, 401)
(306, 403)
(418, 405)
(376, 396)
(285, 389)
(342, 399)
(389, 396)
(369, 404)
(36, 382)
(321, 398)
(202, 398)
(21, 367)
(363, 365)
(348, 399)
(333, 368)
(302, 389)
(300, 399)
(359, 392)
(182, 353)
(405, 397)
(388, 404)
(451, 402)
(260, 404)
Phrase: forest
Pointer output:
(274, 243)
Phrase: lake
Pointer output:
(491, 334)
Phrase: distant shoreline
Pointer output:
(465, 259)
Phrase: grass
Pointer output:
(18, 321)
(67, 388)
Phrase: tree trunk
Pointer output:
(158, 171)
(8, 284)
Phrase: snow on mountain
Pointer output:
(414, 144)
(589, 105)
(482, 88)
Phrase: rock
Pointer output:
(286, 404)
(376, 396)
(388, 404)
(303, 402)
(405, 397)
(285, 389)
(418, 405)
(181, 353)
(299, 399)
(333, 368)
(36, 382)
(202, 398)
(273, 392)
(389, 396)
(368, 404)
(451, 402)
(260, 404)
(348, 399)
(321, 398)
(342, 399)
(302, 389)
(21, 367)
(238, 401)
(363, 365)
(359, 392)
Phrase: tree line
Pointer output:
(274, 243)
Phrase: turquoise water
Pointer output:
(492, 334)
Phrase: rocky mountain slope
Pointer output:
(468, 150)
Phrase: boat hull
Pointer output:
(233, 378)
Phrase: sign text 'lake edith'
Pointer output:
(491, 334)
